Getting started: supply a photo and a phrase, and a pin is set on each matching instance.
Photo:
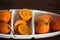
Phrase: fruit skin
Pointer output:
(25, 14)
(42, 27)
(5, 16)
(45, 18)
(17, 23)
(24, 29)
(0, 29)
(4, 28)
(55, 24)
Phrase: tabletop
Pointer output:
(45, 5)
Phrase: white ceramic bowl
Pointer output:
(15, 16)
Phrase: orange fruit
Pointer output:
(18, 22)
(45, 18)
(24, 29)
(42, 27)
(4, 28)
(55, 24)
(25, 14)
(5, 16)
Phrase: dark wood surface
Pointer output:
(46, 5)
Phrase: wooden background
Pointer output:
(46, 5)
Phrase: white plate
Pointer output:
(15, 16)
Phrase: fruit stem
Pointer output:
(46, 23)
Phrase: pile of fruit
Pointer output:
(21, 26)
(46, 23)
(5, 17)
(43, 23)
